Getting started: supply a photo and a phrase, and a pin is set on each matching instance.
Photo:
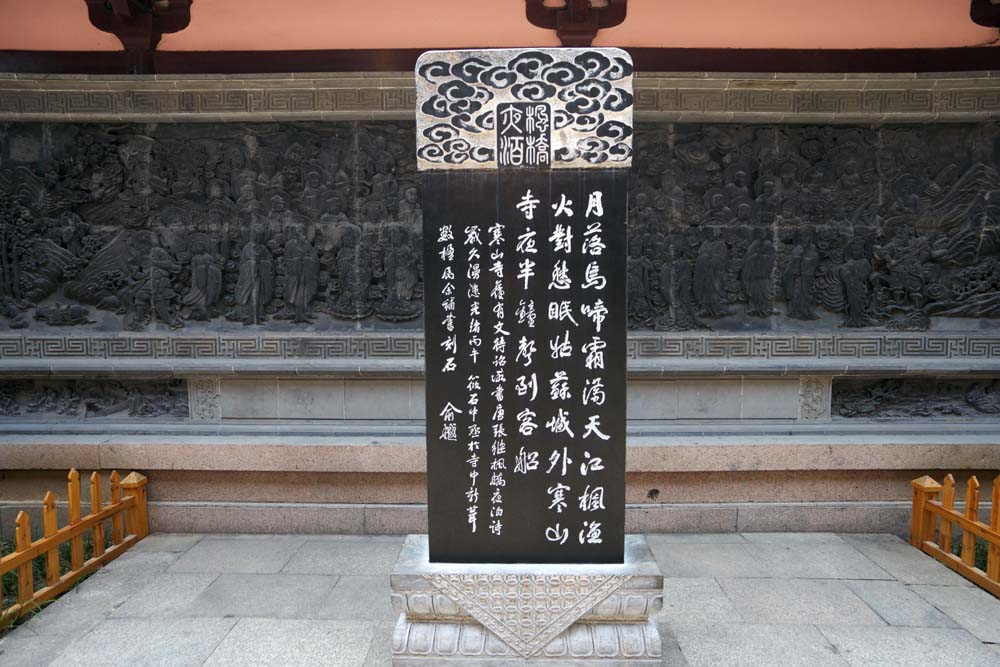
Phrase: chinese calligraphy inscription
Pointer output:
(524, 134)
(526, 355)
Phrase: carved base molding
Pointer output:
(553, 615)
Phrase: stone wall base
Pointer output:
(360, 519)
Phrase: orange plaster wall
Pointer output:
(350, 24)
(809, 24)
(51, 25)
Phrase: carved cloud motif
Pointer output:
(589, 92)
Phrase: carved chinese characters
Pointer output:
(525, 314)
(526, 365)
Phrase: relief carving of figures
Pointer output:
(757, 274)
(400, 272)
(301, 275)
(854, 278)
(255, 286)
(640, 305)
(709, 271)
(800, 275)
(298, 225)
(91, 399)
(676, 281)
(153, 279)
(909, 398)
(183, 224)
(349, 299)
(206, 280)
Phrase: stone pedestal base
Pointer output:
(489, 615)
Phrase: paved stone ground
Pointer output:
(737, 599)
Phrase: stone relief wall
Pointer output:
(308, 227)
(138, 227)
(921, 398)
(90, 399)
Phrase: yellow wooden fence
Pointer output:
(933, 501)
(129, 523)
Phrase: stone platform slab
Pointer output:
(194, 600)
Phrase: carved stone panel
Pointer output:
(92, 399)
(136, 227)
(222, 229)
(920, 398)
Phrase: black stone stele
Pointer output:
(525, 154)
(561, 484)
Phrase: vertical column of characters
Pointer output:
(448, 320)
(528, 363)
(473, 245)
(593, 311)
(496, 246)
(538, 147)
(557, 385)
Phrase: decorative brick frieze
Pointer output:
(392, 96)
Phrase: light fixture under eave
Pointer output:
(576, 22)
(139, 25)
(986, 12)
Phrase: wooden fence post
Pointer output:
(95, 508)
(993, 560)
(922, 521)
(75, 543)
(948, 503)
(135, 485)
(972, 513)
(22, 542)
(117, 524)
(50, 524)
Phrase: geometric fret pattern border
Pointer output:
(411, 346)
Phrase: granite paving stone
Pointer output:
(670, 648)
(793, 538)
(745, 645)
(972, 608)
(819, 559)
(83, 606)
(179, 542)
(263, 596)
(897, 604)
(708, 560)
(903, 561)
(165, 595)
(696, 600)
(343, 601)
(735, 599)
(138, 565)
(345, 557)
(798, 601)
(144, 642)
(29, 650)
(696, 538)
(941, 647)
(235, 555)
(380, 648)
(294, 643)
